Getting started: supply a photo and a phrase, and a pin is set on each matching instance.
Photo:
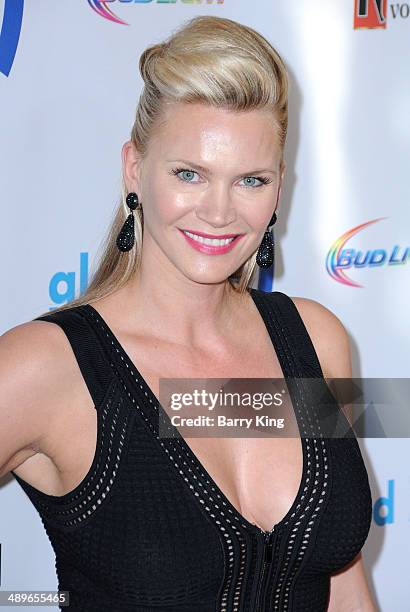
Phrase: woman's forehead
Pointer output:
(207, 132)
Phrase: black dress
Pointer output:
(149, 530)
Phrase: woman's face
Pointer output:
(207, 171)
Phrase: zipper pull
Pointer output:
(269, 548)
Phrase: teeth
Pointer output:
(210, 241)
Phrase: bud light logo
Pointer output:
(10, 33)
(105, 11)
(341, 258)
(370, 14)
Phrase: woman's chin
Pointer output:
(209, 277)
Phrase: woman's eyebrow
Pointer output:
(206, 170)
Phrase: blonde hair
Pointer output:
(210, 60)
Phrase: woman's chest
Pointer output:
(259, 470)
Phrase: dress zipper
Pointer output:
(267, 560)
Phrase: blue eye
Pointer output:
(252, 178)
(188, 174)
(263, 180)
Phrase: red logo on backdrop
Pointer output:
(370, 14)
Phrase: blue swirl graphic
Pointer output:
(10, 33)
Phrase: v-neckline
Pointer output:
(285, 366)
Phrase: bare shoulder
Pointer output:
(329, 337)
(29, 353)
(30, 349)
(33, 376)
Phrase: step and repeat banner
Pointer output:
(69, 86)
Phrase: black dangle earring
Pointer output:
(126, 237)
(265, 255)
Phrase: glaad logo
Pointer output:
(383, 509)
(10, 33)
(100, 6)
(340, 259)
(62, 286)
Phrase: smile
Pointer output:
(210, 245)
(211, 241)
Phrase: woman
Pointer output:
(142, 522)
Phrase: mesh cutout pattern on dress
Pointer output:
(74, 507)
(233, 538)
(291, 561)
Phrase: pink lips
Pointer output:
(220, 237)
(208, 248)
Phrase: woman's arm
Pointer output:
(349, 591)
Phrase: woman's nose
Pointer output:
(218, 209)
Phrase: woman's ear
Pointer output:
(131, 166)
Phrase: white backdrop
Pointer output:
(69, 85)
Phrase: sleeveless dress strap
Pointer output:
(297, 334)
(87, 350)
(332, 418)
